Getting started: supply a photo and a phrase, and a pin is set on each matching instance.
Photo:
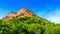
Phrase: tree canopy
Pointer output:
(29, 25)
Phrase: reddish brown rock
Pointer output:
(9, 16)
(20, 13)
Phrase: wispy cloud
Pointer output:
(54, 16)
(41, 13)
(2, 13)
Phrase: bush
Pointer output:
(29, 25)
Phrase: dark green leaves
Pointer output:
(29, 25)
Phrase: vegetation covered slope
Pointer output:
(29, 25)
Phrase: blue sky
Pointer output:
(48, 9)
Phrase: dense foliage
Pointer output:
(29, 25)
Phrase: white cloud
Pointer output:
(41, 13)
(2, 13)
(54, 16)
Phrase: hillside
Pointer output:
(28, 24)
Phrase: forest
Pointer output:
(29, 25)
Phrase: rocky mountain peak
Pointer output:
(19, 14)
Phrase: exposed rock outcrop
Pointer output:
(21, 13)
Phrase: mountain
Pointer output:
(21, 13)
(28, 24)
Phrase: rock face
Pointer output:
(21, 13)
(9, 16)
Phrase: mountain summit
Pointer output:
(21, 13)
(29, 24)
